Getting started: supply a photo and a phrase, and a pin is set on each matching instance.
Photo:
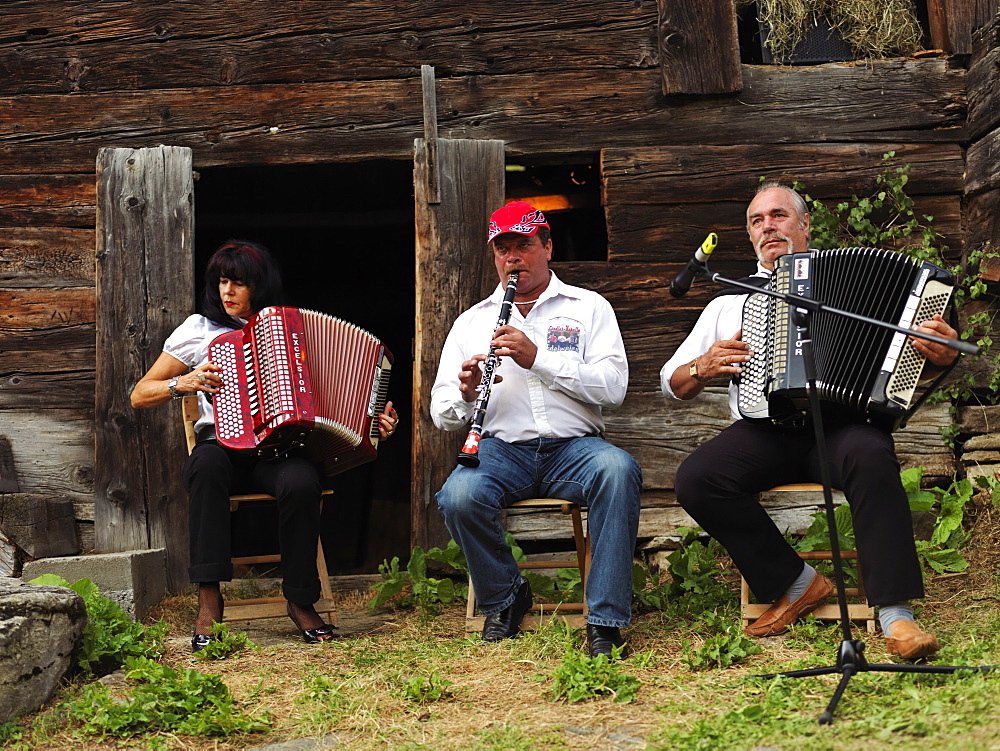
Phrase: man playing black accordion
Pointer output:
(719, 482)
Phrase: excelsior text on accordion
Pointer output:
(295, 377)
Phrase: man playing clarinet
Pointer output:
(718, 483)
(563, 361)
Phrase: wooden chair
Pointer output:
(260, 607)
(582, 562)
(860, 612)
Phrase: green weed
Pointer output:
(110, 635)
(693, 581)
(225, 644)
(162, 700)
(414, 588)
(581, 677)
(424, 689)
(725, 646)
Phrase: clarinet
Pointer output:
(469, 455)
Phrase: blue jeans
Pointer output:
(588, 471)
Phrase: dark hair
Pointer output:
(247, 262)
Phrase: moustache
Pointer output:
(772, 236)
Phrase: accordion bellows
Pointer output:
(869, 371)
(295, 377)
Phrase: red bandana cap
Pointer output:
(516, 216)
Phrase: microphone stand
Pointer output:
(850, 655)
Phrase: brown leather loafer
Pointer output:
(909, 642)
(782, 613)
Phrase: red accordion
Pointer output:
(294, 377)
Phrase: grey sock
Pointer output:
(799, 585)
(889, 614)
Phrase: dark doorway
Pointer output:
(344, 236)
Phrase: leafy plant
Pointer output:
(428, 688)
(163, 700)
(693, 582)
(726, 645)
(414, 588)
(581, 677)
(888, 219)
(110, 635)
(10, 732)
(451, 555)
(226, 643)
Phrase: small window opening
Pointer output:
(568, 190)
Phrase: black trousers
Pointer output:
(213, 473)
(718, 485)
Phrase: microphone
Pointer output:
(682, 282)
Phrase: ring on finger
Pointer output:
(201, 378)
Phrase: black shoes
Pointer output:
(200, 641)
(318, 635)
(601, 639)
(507, 622)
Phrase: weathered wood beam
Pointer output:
(42, 307)
(699, 47)
(654, 233)
(46, 256)
(453, 272)
(145, 282)
(983, 81)
(953, 22)
(8, 472)
(46, 200)
(80, 46)
(701, 173)
(41, 525)
(983, 172)
(53, 450)
(983, 217)
(906, 101)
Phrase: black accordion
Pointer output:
(869, 372)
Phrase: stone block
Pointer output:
(135, 579)
(39, 629)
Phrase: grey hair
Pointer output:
(797, 201)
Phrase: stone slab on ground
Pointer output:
(39, 629)
(135, 579)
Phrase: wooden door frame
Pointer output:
(145, 286)
(453, 272)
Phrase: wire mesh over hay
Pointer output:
(873, 28)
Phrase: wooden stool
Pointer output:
(582, 562)
(860, 612)
(251, 609)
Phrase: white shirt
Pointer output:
(580, 367)
(720, 319)
(189, 344)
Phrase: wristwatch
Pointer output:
(693, 372)
(172, 387)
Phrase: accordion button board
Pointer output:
(868, 371)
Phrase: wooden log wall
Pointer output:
(248, 82)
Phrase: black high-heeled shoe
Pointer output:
(200, 641)
(318, 635)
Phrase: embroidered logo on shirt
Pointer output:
(564, 339)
